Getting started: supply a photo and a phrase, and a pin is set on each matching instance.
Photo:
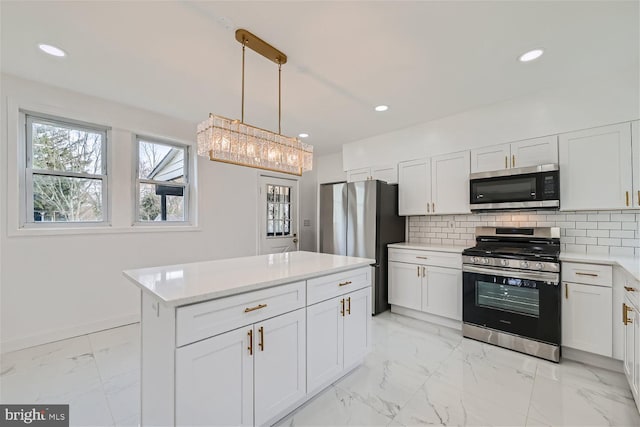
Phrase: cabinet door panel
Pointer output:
(534, 152)
(442, 292)
(357, 333)
(279, 364)
(404, 285)
(324, 343)
(450, 183)
(596, 168)
(214, 381)
(414, 187)
(386, 173)
(356, 175)
(587, 318)
(491, 158)
(635, 138)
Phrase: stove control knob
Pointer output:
(474, 260)
(539, 265)
(485, 260)
(504, 262)
(524, 264)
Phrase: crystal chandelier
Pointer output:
(233, 141)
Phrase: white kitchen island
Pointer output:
(245, 341)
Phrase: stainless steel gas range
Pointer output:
(511, 289)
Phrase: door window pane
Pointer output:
(278, 210)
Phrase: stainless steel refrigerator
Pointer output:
(360, 219)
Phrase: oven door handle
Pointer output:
(554, 278)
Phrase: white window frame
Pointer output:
(186, 202)
(27, 221)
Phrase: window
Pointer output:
(278, 210)
(66, 171)
(162, 181)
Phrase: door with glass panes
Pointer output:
(278, 215)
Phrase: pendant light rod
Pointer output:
(242, 108)
(279, 99)
(260, 46)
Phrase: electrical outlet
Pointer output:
(452, 224)
(307, 223)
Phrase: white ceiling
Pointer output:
(425, 59)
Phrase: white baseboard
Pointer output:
(592, 359)
(427, 317)
(61, 334)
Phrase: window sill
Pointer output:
(97, 230)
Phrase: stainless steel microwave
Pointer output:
(535, 187)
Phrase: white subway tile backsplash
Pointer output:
(598, 250)
(615, 232)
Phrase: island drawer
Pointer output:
(589, 274)
(203, 320)
(333, 285)
(436, 259)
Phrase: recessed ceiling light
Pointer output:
(52, 50)
(303, 135)
(382, 108)
(531, 55)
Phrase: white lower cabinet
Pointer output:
(587, 318)
(249, 375)
(442, 292)
(631, 321)
(220, 368)
(338, 337)
(424, 283)
(405, 285)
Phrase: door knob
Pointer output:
(295, 240)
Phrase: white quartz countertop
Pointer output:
(183, 284)
(631, 264)
(428, 247)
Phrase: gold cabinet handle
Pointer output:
(250, 348)
(349, 305)
(423, 271)
(418, 270)
(261, 342)
(629, 289)
(513, 161)
(422, 257)
(342, 309)
(638, 197)
(428, 207)
(433, 205)
(626, 309)
(348, 282)
(566, 291)
(506, 164)
(257, 307)
(586, 274)
(626, 193)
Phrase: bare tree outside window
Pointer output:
(66, 172)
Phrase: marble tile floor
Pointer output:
(416, 374)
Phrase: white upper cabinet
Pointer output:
(386, 173)
(414, 187)
(491, 158)
(635, 149)
(596, 168)
(450, 183)
(520, 154)
(534, 152)
(356, 175)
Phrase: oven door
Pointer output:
(524, 303)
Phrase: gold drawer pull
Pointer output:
(586, 274)
(257, 307)
(627, 197)
(629, 289)
(513, 161)
(422, 257)
(505, 162)
(348, 282)
(626, 309)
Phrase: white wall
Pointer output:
(57, 286)
(610, 99)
